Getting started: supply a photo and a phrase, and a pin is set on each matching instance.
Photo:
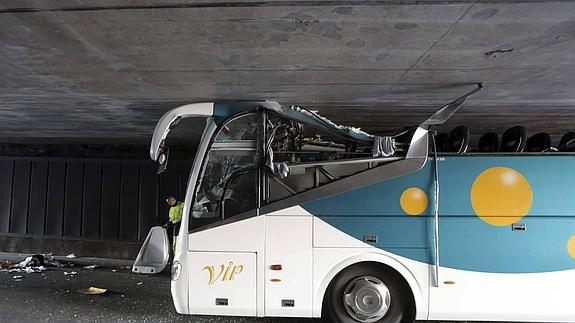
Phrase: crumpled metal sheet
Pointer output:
(383, 146)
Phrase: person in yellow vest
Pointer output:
(175, 216)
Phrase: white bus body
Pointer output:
(366, 239)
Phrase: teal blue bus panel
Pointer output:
(469, 244)
(380, 199)
(406, 237)
(469, 241)
(551, 179)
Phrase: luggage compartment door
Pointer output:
(289, 268)
(222, 283)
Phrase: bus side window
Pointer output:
(243, 128)
(314, 157)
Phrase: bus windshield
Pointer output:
(229, 174)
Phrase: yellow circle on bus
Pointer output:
(501, 196)
(413, 201)
(571, 247)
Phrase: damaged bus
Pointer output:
(290, 215)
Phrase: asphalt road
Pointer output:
(53, 296)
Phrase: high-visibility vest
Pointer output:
(176, 212)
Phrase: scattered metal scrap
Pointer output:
(492, 53)
(53, 262)
(32, 264)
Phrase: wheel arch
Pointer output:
(416, 289)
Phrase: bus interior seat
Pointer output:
(442, 142)
(459, 140)
(567, 142)
(538, 142)
(513, 139)
(488, 143)
(240, 198)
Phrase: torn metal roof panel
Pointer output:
(308, 117)
(226, 109)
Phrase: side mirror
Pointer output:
(154, 254)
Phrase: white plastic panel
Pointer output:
(326, 236)
(242, 236)
(293, 210)
(222, 276)
(534, 297)
(289, 244)
(245, 236)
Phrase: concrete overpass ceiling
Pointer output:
(81, 71)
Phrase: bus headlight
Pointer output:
(176, 270)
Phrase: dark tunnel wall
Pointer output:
(116, 200)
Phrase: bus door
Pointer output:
(222, 262)
(212, 274)
(288, 270)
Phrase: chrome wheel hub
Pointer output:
(366, 299)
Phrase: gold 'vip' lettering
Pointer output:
(226, 272)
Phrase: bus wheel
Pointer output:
(368, 293)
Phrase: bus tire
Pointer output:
(368, 292)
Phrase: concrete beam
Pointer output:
(105, 72)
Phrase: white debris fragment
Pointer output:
(13, 270)
(90, 267)
(26, 262)
(140, 283)
(71, 256)
(38, 269)
(114, 270)
(70, 273)
(17, 277)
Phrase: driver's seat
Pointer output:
(242, 195)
